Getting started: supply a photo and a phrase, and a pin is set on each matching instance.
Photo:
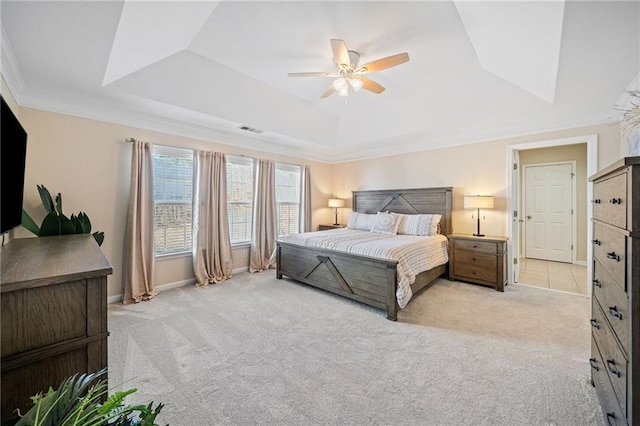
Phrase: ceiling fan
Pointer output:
(349, 73)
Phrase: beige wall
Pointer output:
(89, 163)
(478, 168)
(577, 152)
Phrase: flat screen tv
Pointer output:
(13, 151)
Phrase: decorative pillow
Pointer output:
(420, 224)
(386, 223)
(361, 221)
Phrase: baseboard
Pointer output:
(581, 262)
(164, 287)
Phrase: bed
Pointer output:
(369, 280)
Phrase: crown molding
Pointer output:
(10, 68)
(202, 128)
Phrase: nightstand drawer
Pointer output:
(476, 266)
(477, 246)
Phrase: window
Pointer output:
(288, 183)
(240, 198)
(172, 193)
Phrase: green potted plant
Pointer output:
(78, 402)
(55, 222)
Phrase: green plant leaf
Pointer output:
(86, 223)
(55, 224)
(59, 203)
(45, 196)
(29, 223)
(99, 236)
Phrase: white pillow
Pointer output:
(419, 224)
(361, 221)
(386, 223)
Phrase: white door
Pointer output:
(516, 216)
(548, 223)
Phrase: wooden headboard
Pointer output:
(407, 201)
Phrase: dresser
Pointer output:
(480, 260)
(54, 314)
(615, 311)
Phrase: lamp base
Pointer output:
(336, 224)
(478, 235)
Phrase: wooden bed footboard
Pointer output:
(364, 279)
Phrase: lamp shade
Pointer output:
(478, 202)
(336, 202)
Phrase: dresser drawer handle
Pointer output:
(616, 201)
(597, 283)
(597, 242)
(613, 256)
(614, 312)
(594, 324)
(610, 363)
(610, 416)
(596, 201)
(592, 361)
(475, 246)
(473, 259)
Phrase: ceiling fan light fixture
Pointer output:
(344, 91)
(356, 83)
(339, 84)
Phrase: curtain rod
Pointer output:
(131, 140)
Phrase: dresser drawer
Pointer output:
(613, 300)
(476, 266)
(610, 249)
(613, 414)
(614, 361)
(477, 246)
(610, 200)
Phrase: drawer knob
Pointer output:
(614, 312)
(594, 324)
(611, 416)
(611, 367)
(597, 283)
(474, 272)
(475, 246)
(592, 361)
(616, 201)
(473, 259)
(596, 201)
(613, 256)
(597, 242)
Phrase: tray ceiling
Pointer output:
(477, 70)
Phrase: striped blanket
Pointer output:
(414, 254)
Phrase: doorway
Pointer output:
(515, 220)
(548, 194)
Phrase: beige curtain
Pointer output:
(305, 210)
(212, 259)
(139, 255)
(265, 230)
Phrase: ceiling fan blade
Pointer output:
(371, 85)
(330, 91)
(384, 63)
(340, 52)
(312, 74)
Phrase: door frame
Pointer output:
(513, 190)
(574, 207)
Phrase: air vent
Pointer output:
(250, 129)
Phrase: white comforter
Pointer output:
(414, 254)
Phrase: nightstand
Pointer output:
(479, 260)
(324, 227)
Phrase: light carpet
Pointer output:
(257, 350)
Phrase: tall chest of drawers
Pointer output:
(615, 319)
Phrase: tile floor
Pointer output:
(554, 275)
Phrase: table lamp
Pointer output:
(335, 203)
(478, 202)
